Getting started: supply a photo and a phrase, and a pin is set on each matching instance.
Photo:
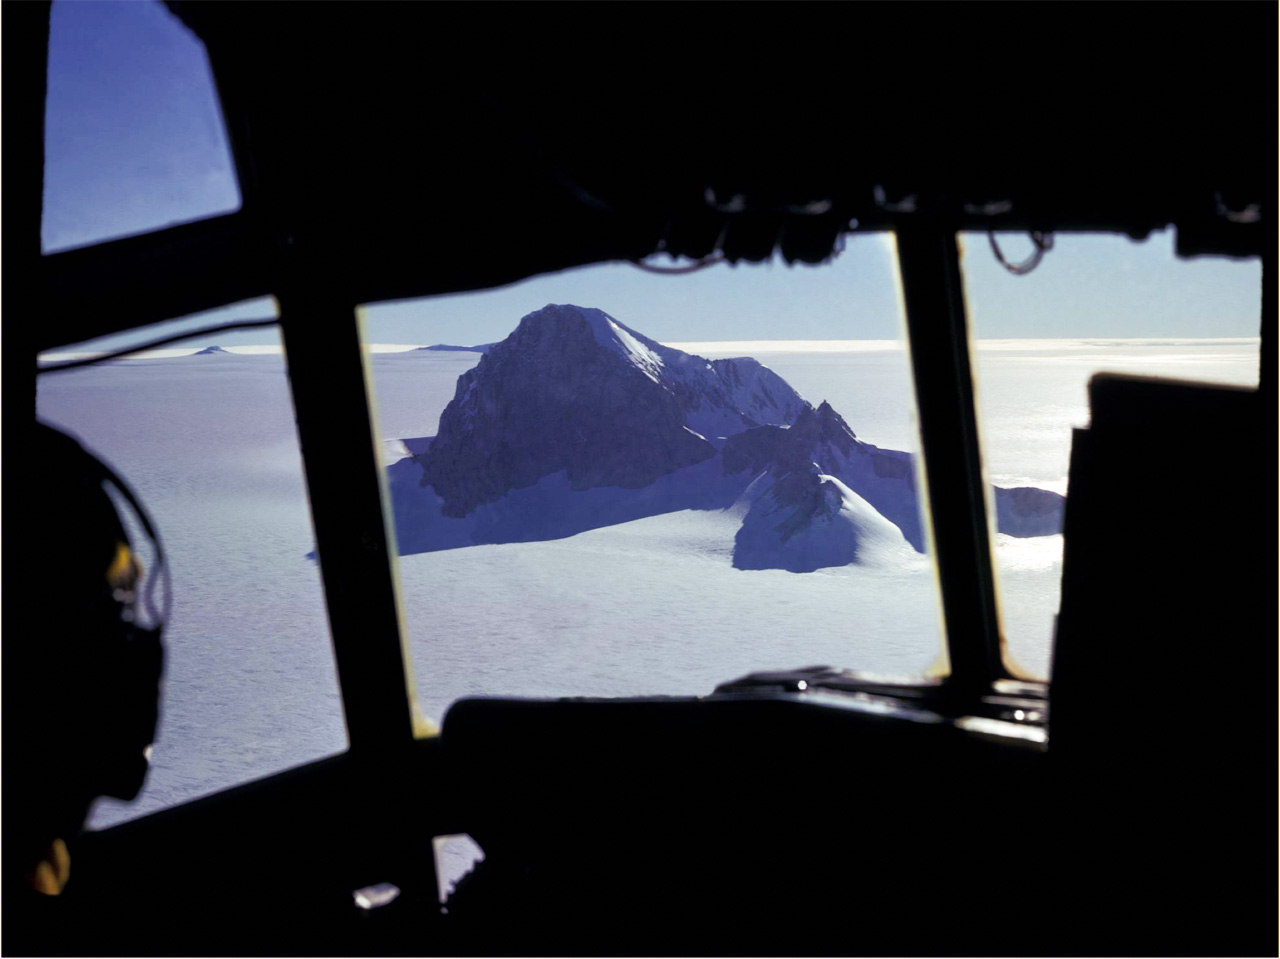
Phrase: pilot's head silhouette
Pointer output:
(87, 675)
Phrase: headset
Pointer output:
(99, 664)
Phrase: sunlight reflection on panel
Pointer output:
(456, 855)
(376, 896)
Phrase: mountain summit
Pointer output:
(574, 390)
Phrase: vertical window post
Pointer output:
(1267, 348)
(23, 212)
(327, 377)
(933, 293)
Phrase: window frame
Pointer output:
(350, 507)
(264, 250)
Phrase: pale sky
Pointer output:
(135, 142)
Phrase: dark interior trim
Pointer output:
(122, 284)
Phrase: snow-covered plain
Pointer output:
(652, 606)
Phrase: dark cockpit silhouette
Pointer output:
(389, 151)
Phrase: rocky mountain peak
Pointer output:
(572, 389)
(801, 448)
(814, 427)
(568, 328)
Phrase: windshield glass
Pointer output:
(134, 137)
(607, 482)
(204, 432)
(1094, 303)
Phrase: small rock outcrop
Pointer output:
(1029, 511)
(448, 348)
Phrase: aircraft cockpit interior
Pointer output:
(641, 479)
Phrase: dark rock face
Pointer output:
(890, 464)
(799, 496)
(448, 348)
(758, 449)
(812, 499)
(796, 526)
(795, 457)
(1029, 511)
(572, 390)
(742, 384)
(789, 450)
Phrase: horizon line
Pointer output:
(852, 345)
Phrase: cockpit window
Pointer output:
(204, 432)
(606, 482)
(134, 136)
(1094, 303)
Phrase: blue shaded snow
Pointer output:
(549, 509)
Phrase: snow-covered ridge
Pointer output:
(639, 351)
(717, 393)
